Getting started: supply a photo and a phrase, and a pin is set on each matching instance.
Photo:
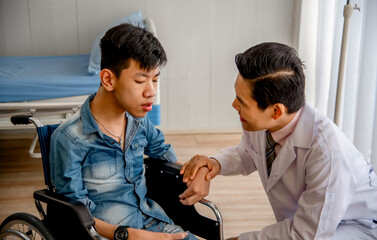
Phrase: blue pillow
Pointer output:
(94, 66)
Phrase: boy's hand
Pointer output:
(190, 168)
(139, 234)
(197, 189)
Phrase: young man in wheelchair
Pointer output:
(97, 155)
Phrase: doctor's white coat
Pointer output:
(317, 180)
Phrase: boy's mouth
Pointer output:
(147, 107)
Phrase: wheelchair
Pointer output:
(65, 218)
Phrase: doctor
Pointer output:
(318, 184)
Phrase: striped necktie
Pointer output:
(270, 151)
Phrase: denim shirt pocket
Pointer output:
(137, 146)
(100, 165)
(137, 152)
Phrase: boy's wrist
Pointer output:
(115, 228)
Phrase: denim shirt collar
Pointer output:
(90, 125)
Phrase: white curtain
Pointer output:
(359, 109)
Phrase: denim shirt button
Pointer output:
(136, 145)
(113, 142)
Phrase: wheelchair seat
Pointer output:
(65, 218)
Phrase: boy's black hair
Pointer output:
(275, 75)
(125, 42)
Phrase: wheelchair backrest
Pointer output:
(44, 135)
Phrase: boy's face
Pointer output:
(252, 118)
(136, 89)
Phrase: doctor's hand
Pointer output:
(197, 189)
(190, 168)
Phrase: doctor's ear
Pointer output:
(107, 79)
(278, 110)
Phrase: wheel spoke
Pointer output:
(25, 225)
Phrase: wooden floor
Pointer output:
(241, 200)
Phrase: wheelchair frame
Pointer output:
(79, 219)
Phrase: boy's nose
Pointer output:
(150, 91)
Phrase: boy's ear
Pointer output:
(107, 79)
(278, 111)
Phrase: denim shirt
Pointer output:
(91, 167)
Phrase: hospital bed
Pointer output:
(53, 88)
(45, 86)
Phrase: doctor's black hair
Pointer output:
(125, 42)
(275, 74)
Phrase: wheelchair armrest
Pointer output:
(78, 208)
(164, 185)
(162, 165)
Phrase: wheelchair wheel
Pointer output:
(24, 226)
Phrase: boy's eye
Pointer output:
(155, 80)
(139, 82)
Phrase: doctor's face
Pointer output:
(251, 117)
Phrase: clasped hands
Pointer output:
(197, 174)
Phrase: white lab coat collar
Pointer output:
(303, 134)
(301, 137)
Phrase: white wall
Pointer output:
(201, 38)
